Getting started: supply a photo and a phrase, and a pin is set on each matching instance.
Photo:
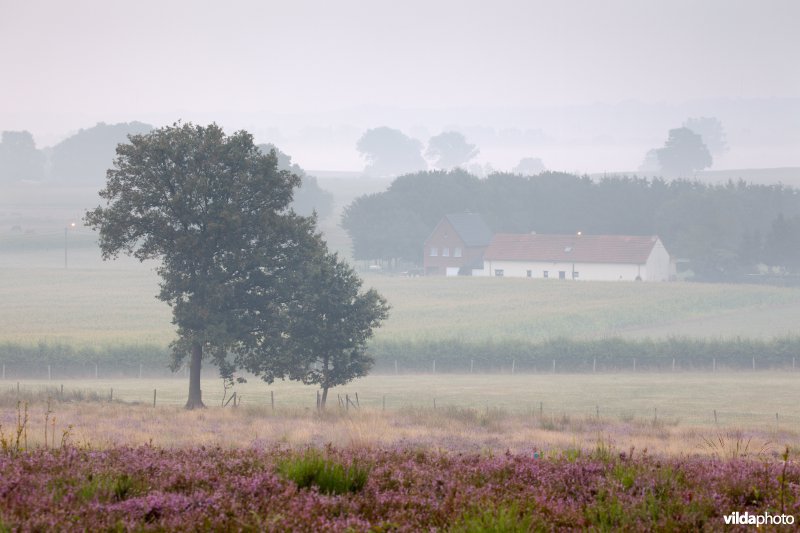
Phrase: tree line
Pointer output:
(722, 232)
(251, 283)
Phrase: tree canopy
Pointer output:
(390, 152)
(309, 196)
(20, 160)
(215, 211)
(450, 149)
(683, 154)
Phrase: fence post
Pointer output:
(714, 365)
(434, 366)
(95, 371)
(154, 397)
(715, 418)
(541, 410)
(140, 370)
(434, 403)
(395, 367)
(673, 364)
(597, 408)
(554, 366)
(594, 365)
(61, 395)
(4, 370)
(272, 400)
(49, 375)
(754, 362)
(471, 364)
(513, 366)
(317, 400)
(383, 407)
(634, 364)
(111, 395)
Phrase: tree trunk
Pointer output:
(195, 400)
(324, 397)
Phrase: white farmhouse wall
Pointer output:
(586, 271)
(659, 266)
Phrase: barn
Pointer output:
(578, 257)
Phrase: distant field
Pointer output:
(115, 303)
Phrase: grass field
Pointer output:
(115, 303)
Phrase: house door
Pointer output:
(451, 271)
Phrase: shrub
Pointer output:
(329, 476)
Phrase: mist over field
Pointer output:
(508, 266)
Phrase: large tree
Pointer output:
(214, 210)
(19, 158)
(683, 154)
(390, 152)
(329, 322)
(450, 149)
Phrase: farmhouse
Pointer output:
(578, 257)
(456, 245)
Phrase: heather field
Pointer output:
(274, 488)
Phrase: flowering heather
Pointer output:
(149, 488)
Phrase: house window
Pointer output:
(434, 251)
(546, 274)
(530, 273)
(499, 272)
(562, 274)
(456, 252)
(445, 252)
(575, 274)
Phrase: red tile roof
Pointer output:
(570, 248)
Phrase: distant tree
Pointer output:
(19, 158)
(782, 243)
(529, 166)
(83, 158)
(711, 131)
(214, 210)
(683, 154)
(390, 152)
(309, 197)
(330, 324)
(650, 164)
(450, 149)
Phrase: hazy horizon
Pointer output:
(589, 86)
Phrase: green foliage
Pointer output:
(390, 152)
(329, 476)
(450, 149)
(498, 518)
(683, 154)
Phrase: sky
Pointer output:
(288, 69)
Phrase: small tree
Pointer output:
(330, 324)
(214, 210)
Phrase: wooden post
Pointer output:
(272, 400)
(140, 370)
(395, 367)
(597, 408)
(61, 395)
(634, 364)
(95, 371)
(655, 414)
(714, 367)
(777, 427)
(17, 388)
(154, 397)
(554, 366)
(434, 366)
(541, 410)
(594, 365)
(346, 402)
(383, 407)
(318, 400)
(513, 366)
(357, 402)
(111, 395)
(4, 370)
(673, 364)
(754, 362)
(471, 365)
(49, 375)
(434, 403)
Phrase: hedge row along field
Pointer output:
(587, 356)
(148, 489)
(454, 355)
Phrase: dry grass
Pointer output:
(510, 421)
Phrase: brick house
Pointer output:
(456, 245)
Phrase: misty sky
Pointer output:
(68, 65)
